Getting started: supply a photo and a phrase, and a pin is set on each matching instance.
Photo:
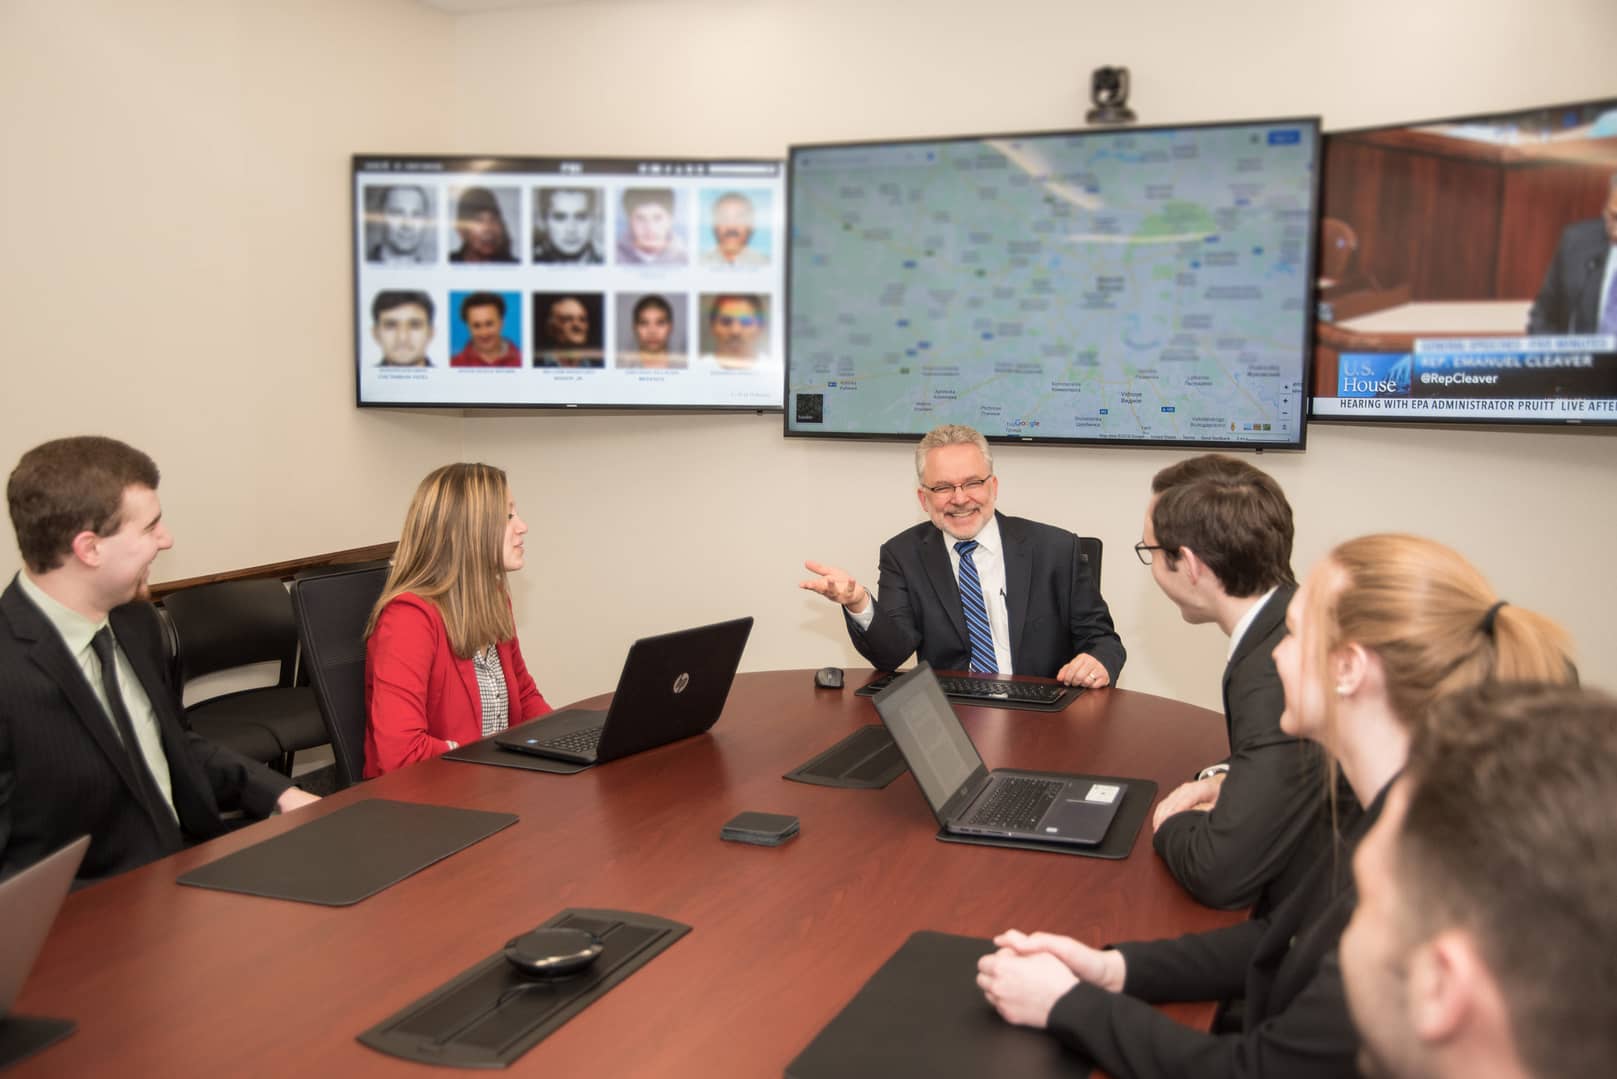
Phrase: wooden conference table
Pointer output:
(165, 979)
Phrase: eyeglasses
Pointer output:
(745, 322)
(947, 490)
(1143, 551)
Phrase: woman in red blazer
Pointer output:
(442, 663)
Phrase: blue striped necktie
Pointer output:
(971, 598)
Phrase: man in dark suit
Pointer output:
(975, 590)
(1217, 536)
(1579, 293)
(91, 740)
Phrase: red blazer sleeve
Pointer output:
(526, 701)
(408, 643)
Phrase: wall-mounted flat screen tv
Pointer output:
(489, 282)
(1109, 285)
(1467, 270)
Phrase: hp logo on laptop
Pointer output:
(681, 682)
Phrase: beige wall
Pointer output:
(657, 521)
(215, 269)
(174, 256)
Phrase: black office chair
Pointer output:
(331, 610)
(1090, 548)
(231, 624)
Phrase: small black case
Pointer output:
(764, 829)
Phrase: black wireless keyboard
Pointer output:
(1042, 696)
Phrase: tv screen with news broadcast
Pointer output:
(1467, 270)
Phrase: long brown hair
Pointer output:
(452, 555)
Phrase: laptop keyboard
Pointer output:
(584, 741)
(992, 689)
(1015, 804)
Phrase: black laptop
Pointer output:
(967, 799)
(29, 901)
(672, 686)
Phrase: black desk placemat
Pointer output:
(21, 1036)
(922, 1015)
(867, 759)
(1119, 839)
(488, 751)
(882, 681)
(489, 1015)
(351, 854)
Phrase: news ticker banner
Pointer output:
(1504, 378)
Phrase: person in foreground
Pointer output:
(91, 735)
(975, 590)
(1483, 940)
(1381, 630)
(1217, 536)
(442, 663)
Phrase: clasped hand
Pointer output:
(1197, 794)
(1031, 971)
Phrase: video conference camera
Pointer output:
(1109, 90)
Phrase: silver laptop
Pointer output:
(967, 799)
(673, 686)
(29, 901)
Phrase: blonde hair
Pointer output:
(451, 554)
(949, 434)
(1432, 620)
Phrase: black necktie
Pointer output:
(147, 790)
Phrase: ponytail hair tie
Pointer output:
(1488, 619)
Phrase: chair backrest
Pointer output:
(1090, 548)
(1338, 243)
(232, 624)
(331, 611)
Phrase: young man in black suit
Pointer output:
(91, 740)
(976, 590)
(1217, 536)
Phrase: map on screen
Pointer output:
(1137, 285)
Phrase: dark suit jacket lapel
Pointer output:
(48, 652)
(939, 572)
(1018, 562)
(1264, 623)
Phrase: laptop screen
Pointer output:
(929, 734)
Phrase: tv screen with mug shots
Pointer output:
(491, 282)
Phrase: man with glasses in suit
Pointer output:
(1217, 538)
(973, 589)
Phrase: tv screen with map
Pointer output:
(591, 282)
(1133, 285)
(1467, 270)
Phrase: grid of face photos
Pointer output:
(610, 282)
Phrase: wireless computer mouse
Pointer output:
(550, 952)
(828, 678)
